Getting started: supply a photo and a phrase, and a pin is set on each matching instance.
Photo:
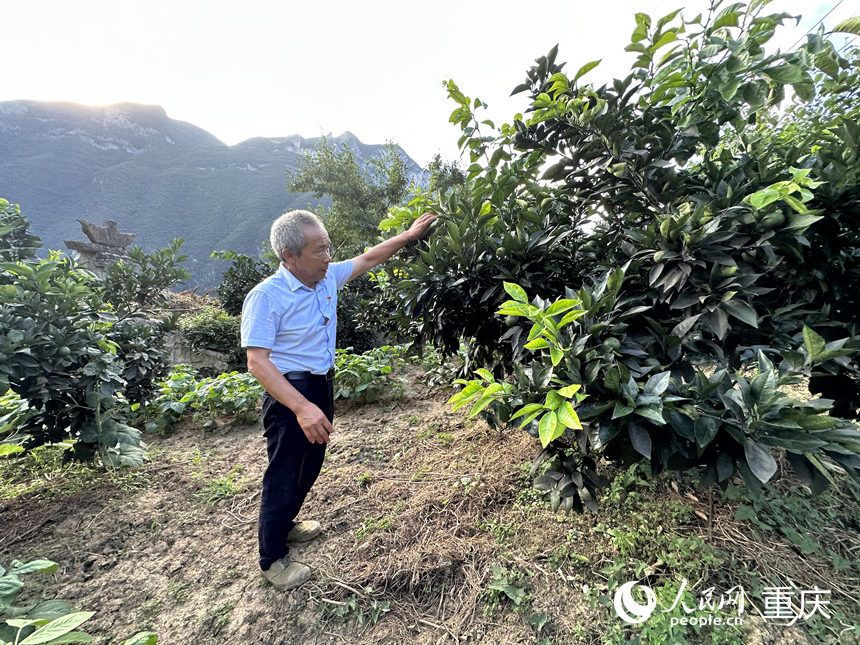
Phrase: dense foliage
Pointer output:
(66, 353)
(212, 328)
(681, 228)
(183, 392)
(366, 376)
(243, 274)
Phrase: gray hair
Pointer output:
(288, 232)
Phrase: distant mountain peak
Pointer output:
(157, 177)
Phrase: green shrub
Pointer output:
(679, 230)
(354, 330)
(243, 274)
(213, 329)
(139, 282)
(63, 351)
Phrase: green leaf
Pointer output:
(657, 384)
(568, 417)
(7, 449)
(785, 74)
(742, 311)
(614, 281)
(705, 429)
(640, 439)
(651, 413)
(57, 627)
(680, 330)
(556, 355)
(549, 429)
(561, 305)
(585, 69)
(537, 343)
(850, 26)
(516, 292)
(569, 390)
(72, 637)
(745, 512)
(813, 342)
(553, 400)
(34, 566)
(527, 409)
(760, 461)
(763, 197)
(621, 410)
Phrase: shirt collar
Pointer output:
(292, 281)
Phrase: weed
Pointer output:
(503, 533)
(223, 487)
(363, 480)
(361, 609)
(221, 614)
(444, 438)
(373, 525)
(507, 585)
(178, 592)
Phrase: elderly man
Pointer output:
(288, 328)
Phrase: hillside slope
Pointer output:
(424, 513)
(157, 177)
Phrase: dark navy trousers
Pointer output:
(294, 465)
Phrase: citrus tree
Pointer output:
(639, 265)
(65, 353)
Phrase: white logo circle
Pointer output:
(631, 611)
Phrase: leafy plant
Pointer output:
(49, 622)
(243, 274)
(182, 393)
(662, 211)
(137, 283)
(364, 377)
(212, 328)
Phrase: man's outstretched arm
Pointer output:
(384, 250)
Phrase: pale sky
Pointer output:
(275, 68)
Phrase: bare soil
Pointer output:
(416, 503)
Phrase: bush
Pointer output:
(645, 229)
(64, 353)
(138, 283)
(243, 274)
(365, 377)
(213, 329)
(354, 330)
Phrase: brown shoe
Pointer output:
(304, 531)
(286, 575)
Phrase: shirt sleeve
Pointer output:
(341, 272)
(259, 325)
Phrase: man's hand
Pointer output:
(314, 423)
(419, 227)
(384, 250)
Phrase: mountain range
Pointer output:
(157, 177)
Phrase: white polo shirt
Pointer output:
(297, 323)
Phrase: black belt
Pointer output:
(307, 376)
